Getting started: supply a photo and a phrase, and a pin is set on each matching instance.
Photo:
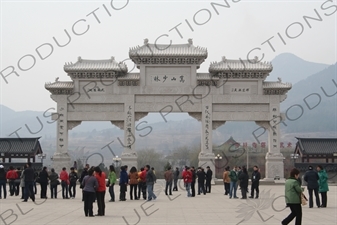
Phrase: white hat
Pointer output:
(1, 166)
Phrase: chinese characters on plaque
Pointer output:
(168, 79)
(240, 90)
(207, 127)
(274, 127)
(128, 127)
(62, 127)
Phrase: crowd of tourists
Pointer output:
(141, 184)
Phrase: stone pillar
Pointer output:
(274, 158)
(129, 155)
(206, 155)
(61, 157)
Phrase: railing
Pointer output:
(329, 167)
(35, 166)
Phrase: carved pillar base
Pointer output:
(129, 159)
(207, 159)
(61, 160)
(274, 166)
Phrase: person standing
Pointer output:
(112, 180)
(194, 177)
(175, 179)
(187, 177)
(293, 193)
(17, 181)
(150, 179)
(123, 182)
(226, 180)
(3, 181)
(100, 191)
(311, 178)
(29, 182)
(11, 176)
(142, 177)
(140, 182)
(201, 180)
(209, 175)
(90, 185)
(43, 179)
(133, 181)
(168, 175)
(64, 177)
(22, 182)
(256, 176)
(53, 177)
(234, 177)
(73, 177)
(83, 174)
(323, 185)
(243, 178)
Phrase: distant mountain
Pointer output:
(293, 69)
(314, 102)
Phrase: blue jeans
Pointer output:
(112, 192)
(3, 185)
(188, 189)
(232, 186)
(151, 195)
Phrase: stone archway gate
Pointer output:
(233, 90)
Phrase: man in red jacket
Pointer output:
(11, 176)
(187, 177)
(64, 177)
(142, 177)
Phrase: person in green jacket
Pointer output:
(234, 178)
(323, 184)
(293, 193)
(112, 180)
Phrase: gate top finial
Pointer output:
(190, 41)
(146, 41)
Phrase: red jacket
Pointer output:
(143, 176)
(64, 175)
(187, 176)
(12, 175)
(101, 182)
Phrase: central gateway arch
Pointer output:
(233, 90)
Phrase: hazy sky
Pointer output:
(226, 31)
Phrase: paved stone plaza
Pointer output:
(214, 208)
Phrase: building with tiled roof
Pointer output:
(19, 148)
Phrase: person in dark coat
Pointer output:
(3, 181)
(256, 176)
(201, 180)
(123, 182)
(243, 178)
(53, 177)
(311, 177)
(73, 177)
(83, 174)
(194, 177)
(175, 179)
(43, 179)
(29, 182)
(209, 175)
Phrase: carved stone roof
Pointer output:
(60, 87)
(130, 77)
(206, 76)
(276, 85)
(227, 65)
(84, 65)
(169, 54)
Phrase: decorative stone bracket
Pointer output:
(119, 124)
(216, 124)
(72, 124)
(140, 115)
(195, 115)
